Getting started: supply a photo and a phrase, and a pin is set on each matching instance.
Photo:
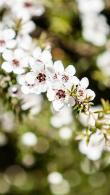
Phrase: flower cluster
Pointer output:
(29, 70)
(95, 27)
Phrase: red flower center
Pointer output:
(41, 77)
(65, 77)
(15, 62)
(61, 94)
(81, 92)
(28, 4)
(2, 42)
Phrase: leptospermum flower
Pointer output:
(26, 9)
(59, 97)
(36, 80)
(83, 92)
(60, 75)
(95, 146)
(7, 39)
(22, 26)
(15, 61)
(43, 56)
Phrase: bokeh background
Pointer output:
(38, 152)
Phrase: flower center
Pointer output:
(27, 4)
(55, 76)
(60, 93)
(41, 77)
(81, 92)
(2, 42)
(15, 62)
(65, 77)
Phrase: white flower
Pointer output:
(32, 102)
(2, 3)
(89, 118)
(7, 39)
(7, 118)
(22, 26)
(93, 150)
(103, 62)
(63, 117)
(95, 29)
(26, 43)
(35, 81)
(65, 76)
(41, 55)
(65, 133)
(87, 6)
(55, 178)
(26, 9)
(15, 61)
(29, 139)
(59, 97)
(84, 93)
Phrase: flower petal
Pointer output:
(58, 66)
(57, 105)
(84, 82)
(7, 67)
(70, 70)
(9, 34)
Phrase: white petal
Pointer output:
(50, 95)
(90, 94)
(19, 53)
(28, 27)
(58, 66)
(21, 79)
(37, 53)
(46, 54)
(71, 101)
(84, 82)
(7, 67)
(8, 55)
(70, 70)
(9, 34)
(35, 65)
(30, 78)
(57, 105)
(11, 44)
(18, 70)
(25, 89)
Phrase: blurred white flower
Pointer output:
(55, 178)
(89, 118)
(2, 3)
(87, 6)
(7, 39)
(32, 102)
(93, 150)
(103, 62)
(61, 118)
(29, 139)
(65, 133)
(7, 118)
(26, 43)
(27, 8)
(3, 139)
(23, 27)
(95, 29)
(28, 160)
